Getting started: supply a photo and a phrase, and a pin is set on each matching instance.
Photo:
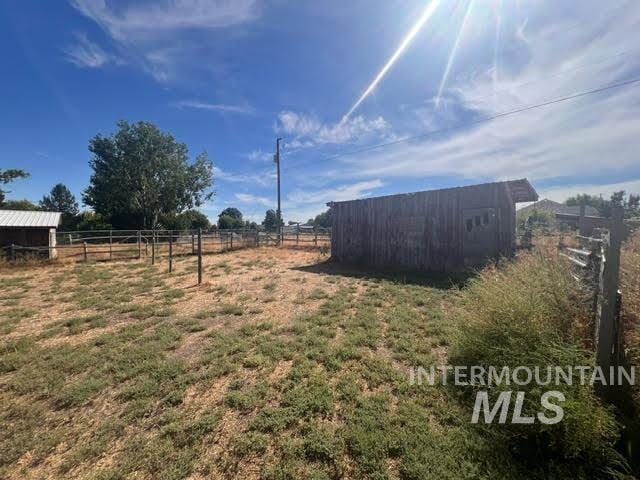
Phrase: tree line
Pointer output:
(141, 179)
(540, 218)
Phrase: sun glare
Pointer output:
(452, 55)
(428, 12)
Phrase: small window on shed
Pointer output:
(477, 220)
(485, 218)
(469, 224)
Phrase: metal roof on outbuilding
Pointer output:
(29, 219)
(521, 191)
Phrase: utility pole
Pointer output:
(279, 211)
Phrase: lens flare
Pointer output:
(428, 12)
(496, 52)
(454, 51)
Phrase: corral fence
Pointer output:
(105, 245)
(594, 252)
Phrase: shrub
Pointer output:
(531, 313)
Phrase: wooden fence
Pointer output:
(596, 258)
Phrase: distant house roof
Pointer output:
(29, 219)
(521, 191)
(555, 207)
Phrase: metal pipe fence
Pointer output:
(108, 245)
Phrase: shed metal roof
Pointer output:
(521, 191)
(29, 219)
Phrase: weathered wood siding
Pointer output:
(422, 231)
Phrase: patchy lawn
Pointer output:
(277, 367)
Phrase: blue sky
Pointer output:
(230, 76)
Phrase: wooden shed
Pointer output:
(29, 229)
(436, 230)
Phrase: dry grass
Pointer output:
(119, 369)
(277, 367)
(630, 288)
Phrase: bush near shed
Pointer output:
(530, 313)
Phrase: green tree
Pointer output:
(8, 176)
(270, 222)
(141, 173)
(594, 201)
(92, 221)
(322, 219)
(60, 199)
(230, 218)
(188, 220)
(19, 205)
(630, 204)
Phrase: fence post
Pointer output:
(199, 256)
(581, 222)
(139, 245)
(257, 238)
(110, 244)
(193, 243)
(297, 235)
(13, 252)
(153, 247)
(84, 247)
(170, 251)
(607, 325)
(315, 237)
(231, 241)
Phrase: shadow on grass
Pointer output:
(439, 280)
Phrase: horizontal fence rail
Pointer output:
(105, 245)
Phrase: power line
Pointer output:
(460, 126)
(478, 121)
(558, 73)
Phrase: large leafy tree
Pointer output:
(23, 204)
(91, 221)
(322, 220)
(230, 218)
(8, 176)
(188, 220)
(141, 174)
(270, 222)
(60, 199)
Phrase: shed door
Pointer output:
(479, 234)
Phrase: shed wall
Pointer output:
(421, 231)
(25, 237)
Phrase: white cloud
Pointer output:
(300, 205)
(339, 193)
(561, 193)
(141, 21)
(155, 35)
(264, 178)
(254, 199)
(260, 156)
(217, 107)
(589, 136)
(86, 54)
(308, 131)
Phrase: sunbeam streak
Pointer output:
(496, 52)
(452, 55)
(403, 46)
